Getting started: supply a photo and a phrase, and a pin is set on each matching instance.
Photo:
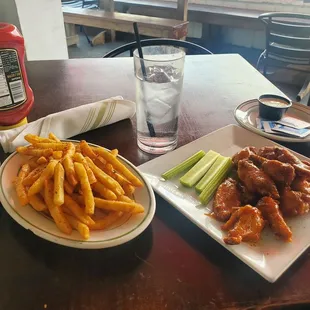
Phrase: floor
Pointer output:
(85, 50)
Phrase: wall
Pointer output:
(41, 23)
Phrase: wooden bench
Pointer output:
(150, 26)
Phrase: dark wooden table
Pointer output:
(173, 264)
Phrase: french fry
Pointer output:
(53, 137)
(69, 170)
(124, 199)
(70, 149)
(108, 168)
(103, 191)
(56, 211)
(59, 176)
(105, 179)
(87, 150)
(107, 221)
(20, 188)
(79, 226)
(57, 154)
(128, 189)
(114, 152)
(68, 187)
(46, 174)
(81, 159)
(37, 202)
(119, 166)
(42, 160)
(33, 175)
(86, 189)
(33, 151)
(33, 162)
(55, 146)
(112, 205)
(36, 139)
(77, 211)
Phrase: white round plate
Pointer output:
(124, 230)
(247, 112)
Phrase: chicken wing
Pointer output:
(245, 224)
(256, 180)
(271, 212)
(244, 154)
(267, 152)
(301, 185)
(226, 198)
(286, 156)
(247, 197)
(294, 203)
(277, 170)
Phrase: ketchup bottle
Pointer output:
(16, 97)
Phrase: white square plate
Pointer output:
(270, 257)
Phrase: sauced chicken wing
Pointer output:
(277, 170)
(267, 152)
(271, 212)
(226, 198)
(301, 185)
(244, 154)
(256, 180)
(294, 203)
(245, 224)
(247, 197)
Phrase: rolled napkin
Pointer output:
(69, 123)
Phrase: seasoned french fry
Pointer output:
(68, 187)
(33, 151)
(103, 191)
(36, 139)
(81, 159)
(59, 176)
(124, 199)
(20, 188)
(87, 150)
(69, 170)
(70, 149)
(107, 221)
(113, 205)
(33, 175)
(55, 146)
(108, 168)
(105, 179)
(46, 174)
(119, 166)
(114, 152)
(86, 189)
(57, 154)
(79, 226)
(33, 162)
(77, 211)
(42, 160)
(56, 211)
(37, 202)
(53, 137)
(128, 189)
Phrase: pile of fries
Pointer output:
(80, 186)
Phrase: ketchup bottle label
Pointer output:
(12, 88)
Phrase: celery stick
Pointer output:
(210, 189)
(218, 166)
(188, 163)
(198, 171)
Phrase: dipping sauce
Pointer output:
(273, 107)
(274, 103)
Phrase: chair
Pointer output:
(192, 48)
(85, 4)
(287, 44)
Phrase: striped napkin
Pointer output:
(69, 123)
